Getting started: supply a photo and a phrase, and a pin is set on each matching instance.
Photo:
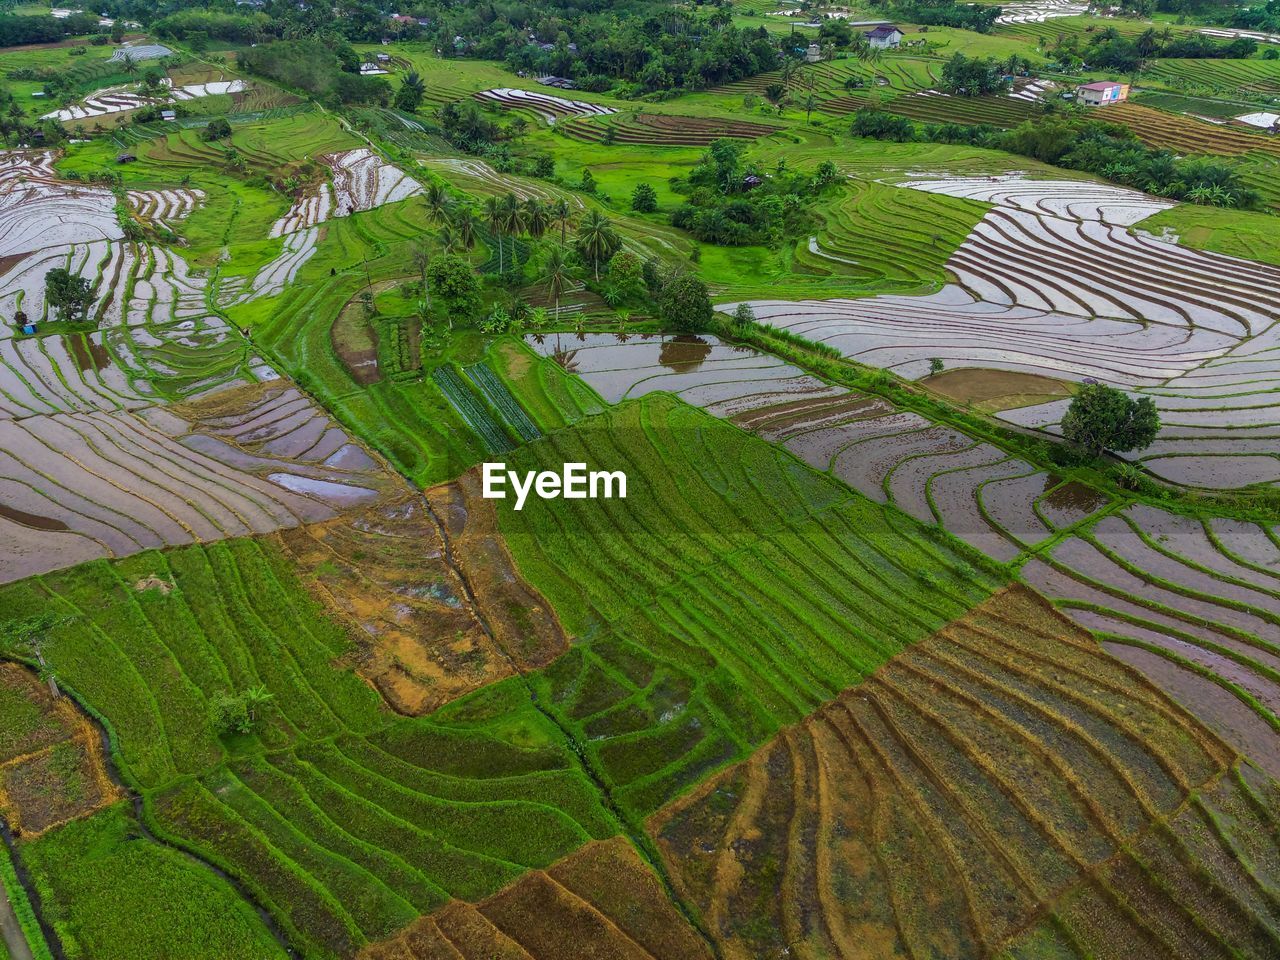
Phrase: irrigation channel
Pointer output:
(17, 944)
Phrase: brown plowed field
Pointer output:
(600, 903)
(51, 764)
(939, 808)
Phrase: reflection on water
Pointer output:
(88, 354)
(684, 354)
(31, 519)
(1070, 502)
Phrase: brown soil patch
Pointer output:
(993, 390)
(385, 572)
(356, 343)
(522, 621)
(600, 903)
(998, 766)
(51, 764)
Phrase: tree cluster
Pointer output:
(732, 203)
(1078, 143)
(974, 76)
(948, 13)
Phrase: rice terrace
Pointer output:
(647, 480)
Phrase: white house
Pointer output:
(884, 37)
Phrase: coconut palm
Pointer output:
(463, 221)
(496, 217)
(561, 214)
(437, 200)
(557, 277)
(597, 240)
(536, 217)
(448, 239)
(413, 83)
(513, 214)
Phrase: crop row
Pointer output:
(941, 108)
(985, 772)
(473, 410)
(1229, 77)
(600, 901)
(1187, 134)
(779, 591)
(1194, 605)
(327, 787)
(658, 129)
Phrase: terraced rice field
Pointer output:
(666, 690)
(999, 504)
(1000, 775)
(1038, 11)
(600, 901)
(1190, 603)
(1053, 282)
(1189, 135)
(935, 107)
(659, 129)
(1223, 77)
(829, 79)
(361, 180)
(235, 614)
(546, 106)
(885, 237)
(52, 767)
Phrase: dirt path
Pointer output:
(10, 932)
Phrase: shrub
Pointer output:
(1104, 418)
(684, 303)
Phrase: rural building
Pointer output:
(886, 37)
(168, 115)
(28, 328)
(125, 158)
(1102, 92)
(813, 54)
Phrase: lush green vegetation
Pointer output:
(21, 905)
(111, 893)
(454, 806)
(731, 592)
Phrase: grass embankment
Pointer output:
(1236, 233)
(1107, 475)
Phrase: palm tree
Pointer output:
(557, 277)
(437, 200)
(497, 219)
(596, 239)
(413, 82)
(464, 225)
(536, 217)
(254, 698)
(422, 260)
(448, 239)
(561, 214)
(513, 216)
